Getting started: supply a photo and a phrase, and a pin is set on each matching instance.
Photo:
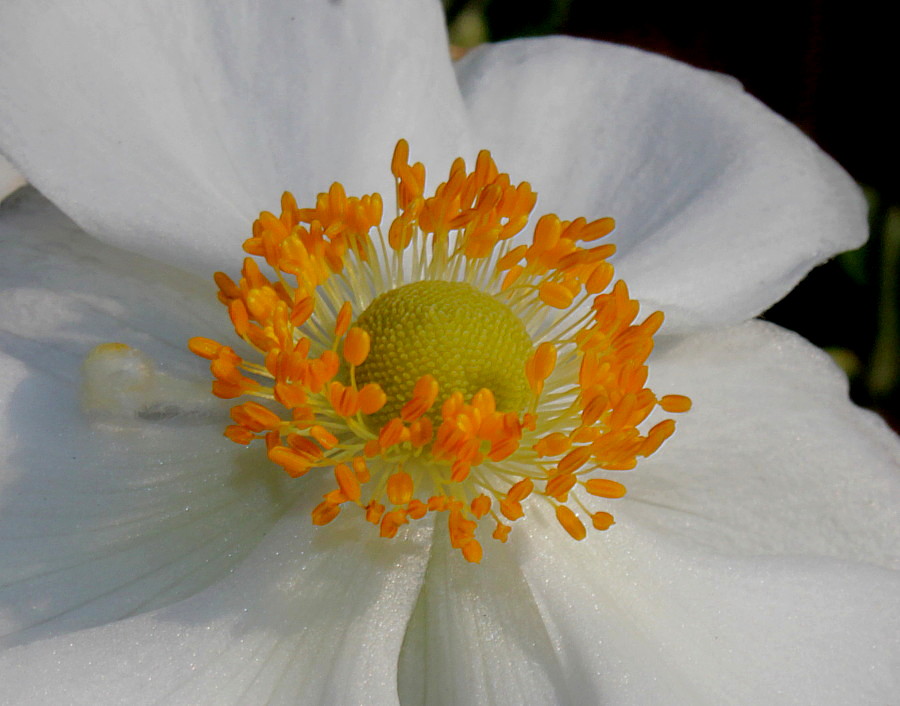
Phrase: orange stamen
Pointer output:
(356, 346)
(604, 488)
(425, 393)
(316, 401)
(675, 403)
(570, 522)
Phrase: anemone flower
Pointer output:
(147, 558)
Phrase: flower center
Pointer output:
(466, 339)
(483, 371)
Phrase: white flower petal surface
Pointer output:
(63, 287)
(101, 521)
(754, 559)
(773, 458)
(640, 619)
(167, 126)
(476, 636)
(312, 616)
(721, 205)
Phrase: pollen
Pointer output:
(449, 362)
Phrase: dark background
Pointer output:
(829, 68)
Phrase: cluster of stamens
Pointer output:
(403, 443)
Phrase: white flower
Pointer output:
(146, 559)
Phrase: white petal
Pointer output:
(754, 558)
(721, 205)
(315, 615)
(476, 636)
(99, 523)
(773, 458)
(64, 288)
(167, 126)
(643, 619)
(10, 178)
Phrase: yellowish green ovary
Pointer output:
(465, 338)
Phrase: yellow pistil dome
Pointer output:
(466, 339)
(442, 366)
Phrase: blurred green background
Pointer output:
(826, 66)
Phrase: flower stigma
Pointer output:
(443, 366)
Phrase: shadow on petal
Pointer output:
(102, 522)
(312, 616)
